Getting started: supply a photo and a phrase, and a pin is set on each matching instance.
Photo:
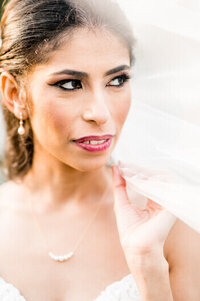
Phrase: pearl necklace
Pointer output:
(67, 256)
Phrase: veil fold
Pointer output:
(159, 147)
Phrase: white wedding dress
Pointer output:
(122, 290)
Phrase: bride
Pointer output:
(68, 230)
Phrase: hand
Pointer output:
(141, 231)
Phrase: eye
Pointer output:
(119, 81)
(68, 84)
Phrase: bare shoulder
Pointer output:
(9, 197)
(6, 190)
(182, 241)
(182, 249)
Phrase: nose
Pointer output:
(96, 108)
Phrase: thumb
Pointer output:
(119, 188)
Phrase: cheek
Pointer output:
(122, 109)
(60, 120)
(52, 123)
(50, 116)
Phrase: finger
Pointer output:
(153, 205)
(124, 212)
(119, 187)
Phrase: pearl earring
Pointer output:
(21, 129)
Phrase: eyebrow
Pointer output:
(117, 69)
(84, 74)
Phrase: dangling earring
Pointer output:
(21, 129)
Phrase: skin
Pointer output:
(65, 180)
(59, 116)
(64, 184)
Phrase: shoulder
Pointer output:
(5, 191)
(182, 249)
(10, 196)
(181, 242)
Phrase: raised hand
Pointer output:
(141, 231)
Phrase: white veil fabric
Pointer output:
(160, 142)
(159, 146)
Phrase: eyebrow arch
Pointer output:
(117, 69)
(72, 72)
(84, 74)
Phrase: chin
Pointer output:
(92, 165)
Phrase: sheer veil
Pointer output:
(159, 147)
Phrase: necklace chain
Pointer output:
(62, 258)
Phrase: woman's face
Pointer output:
(83, 90)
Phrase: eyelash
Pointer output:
(125, 77)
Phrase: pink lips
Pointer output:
(97, 147)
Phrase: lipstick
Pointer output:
(94, 143)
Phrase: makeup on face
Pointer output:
(95, 143)
(76, 82)
(81, 99)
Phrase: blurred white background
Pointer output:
(163, 127)
(166, 94)
(167, 52)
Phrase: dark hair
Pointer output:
(30, 31)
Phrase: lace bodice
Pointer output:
(122, 290)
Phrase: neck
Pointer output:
(52, 183)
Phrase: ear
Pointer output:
(13, 96)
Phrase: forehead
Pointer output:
(88, 50)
